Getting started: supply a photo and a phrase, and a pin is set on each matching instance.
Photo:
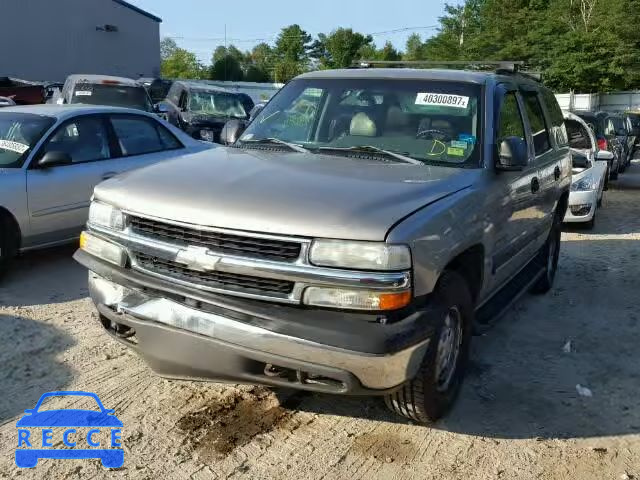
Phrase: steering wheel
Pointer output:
(434, 134)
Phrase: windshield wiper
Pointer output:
(376, 150)
(271, 140)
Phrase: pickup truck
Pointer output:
(349, 240)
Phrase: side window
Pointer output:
(183, 100)
(557, 118)
(539, 131)
(174, 94)
(510, 123)
(139, 136)
(578, 135)
(84, 139)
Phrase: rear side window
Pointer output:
(557, 118)
(578, 135)
(539, 131)
(510, 119)
(139, 136)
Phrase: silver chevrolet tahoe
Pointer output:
(348, 241)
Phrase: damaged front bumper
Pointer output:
(184, 335)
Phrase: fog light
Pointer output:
(356, 299)
(580, 210)
(108, 251)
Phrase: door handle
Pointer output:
(535, 185)
(556, 173)
(108, 175)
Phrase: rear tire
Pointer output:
(430, 395)
(548, 256)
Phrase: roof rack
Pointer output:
(499, 66)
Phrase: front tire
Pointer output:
(430, 395)
(8, 243)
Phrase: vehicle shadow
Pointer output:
(44, 277)
(522, 383)
(31, 348)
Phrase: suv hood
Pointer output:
(297, 194)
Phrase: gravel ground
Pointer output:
(519, 414)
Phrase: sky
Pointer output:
(199, 25)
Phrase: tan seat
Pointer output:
(362, 126)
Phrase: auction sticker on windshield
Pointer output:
(442, 100)
(14, 146)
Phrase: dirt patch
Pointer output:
(388, 448)
(221, 426)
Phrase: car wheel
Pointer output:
(548, 257)
(432, 392)
(614, 174)
(8, 243)
(26, 459)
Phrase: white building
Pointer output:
(50, 39)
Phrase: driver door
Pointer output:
(59, 196)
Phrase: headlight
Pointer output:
(356, 299)
(360, 255)
(102, 249)
(206, 135)
(585, 183)
(104, 215)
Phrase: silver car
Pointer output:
(52, 156)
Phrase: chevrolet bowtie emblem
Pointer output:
(197, 258)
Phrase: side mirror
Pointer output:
(256, 110)
(232, 131)
(580, 161)
(54, 159)
(604, 155)
(512, 154)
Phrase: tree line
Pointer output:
(581, 45)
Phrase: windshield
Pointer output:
(19, 133)
(112, 95)
(216, 103)
(434, 122)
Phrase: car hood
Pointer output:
(308, 195)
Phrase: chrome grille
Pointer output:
(222, 280)
(218, 242)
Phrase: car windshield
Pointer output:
(67, 402)
(19, 133)
(434, 122)
(113, 95)
(216, 103)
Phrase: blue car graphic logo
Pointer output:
(36, 434)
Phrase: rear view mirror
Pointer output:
(232, 131)
(512, 154)
(54, 159)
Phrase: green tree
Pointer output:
(168, 46)
(388, 53)
(340, 48)
(291, 53)
(414, 49)
(182, 64)
(227, 68)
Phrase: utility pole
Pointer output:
(226, 52)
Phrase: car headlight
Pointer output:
(356, 299)
(360, 255)
(206, 135)
(584, 184)
(102, 249)
(103, 215)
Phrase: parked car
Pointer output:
(349, 242)
(618, 126)
(634, 120)
(52, 156)
(603, 130)
(105, 90)
(590, 172)
(22, 92)
(201, 110)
